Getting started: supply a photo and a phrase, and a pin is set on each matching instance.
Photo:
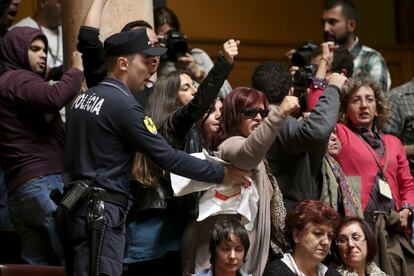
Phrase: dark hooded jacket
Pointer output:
(31, 129)
(4, 5)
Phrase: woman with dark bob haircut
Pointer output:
(247, 130)
(229, 244)
(357, 246)
(310, 228)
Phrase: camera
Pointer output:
(176, 43)
(302, 58)
(302, 77)
(303, 54)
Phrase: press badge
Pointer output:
(149, 124)
(385, 188)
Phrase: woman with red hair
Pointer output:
(310, 227)
(247, 130)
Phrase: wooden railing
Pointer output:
(400, 59)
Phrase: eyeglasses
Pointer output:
(252, 112)
(344, 240)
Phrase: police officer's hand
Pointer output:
(230, 50)
(235, 176)
(77, 60)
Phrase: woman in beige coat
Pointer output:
(247, 130)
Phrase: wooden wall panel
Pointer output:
(268, 28)
(278, 20)
(26, 8)
(400, 59)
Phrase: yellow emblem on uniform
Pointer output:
(149, 124)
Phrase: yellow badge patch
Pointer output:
(149, 124)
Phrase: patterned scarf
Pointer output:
(278, 240)
(348, 199)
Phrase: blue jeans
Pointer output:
(5, 222)
(31, 211)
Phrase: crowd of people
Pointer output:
(162, 168)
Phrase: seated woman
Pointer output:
(229, 244)
(357, 247)
(247, 130)
(378, 160)
(338, 191)
(310, 227)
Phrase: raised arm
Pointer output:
(316, 89)
(183, 118)
(313, 132)
(40, 95)
(247, 153)
(94, 16)
(90, 45)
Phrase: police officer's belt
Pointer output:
(115, 198)
(82, 190)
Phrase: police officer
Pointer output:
(105, 128)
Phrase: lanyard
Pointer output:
(382, 169)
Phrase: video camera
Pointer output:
(176, 43)
(301, 58)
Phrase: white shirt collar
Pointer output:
(290, 262)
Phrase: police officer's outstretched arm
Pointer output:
(235, 176)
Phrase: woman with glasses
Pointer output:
(357, 247)
(247, 130)
(310, 228)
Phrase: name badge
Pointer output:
(385, 188)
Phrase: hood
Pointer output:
(15, 47)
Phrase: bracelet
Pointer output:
(319, 83)
(407, 206)
(326, 60)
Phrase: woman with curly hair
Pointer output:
(376, 158)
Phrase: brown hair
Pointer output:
(369, 235)
(383, 111)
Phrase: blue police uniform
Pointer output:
(105, 127)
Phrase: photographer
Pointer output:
(331, 59)
(179, 56)
(297, 152)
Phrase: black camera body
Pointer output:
(303, 54)
(302, 58)
(303, 76)
(176, 43)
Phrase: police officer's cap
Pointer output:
(131, 42)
